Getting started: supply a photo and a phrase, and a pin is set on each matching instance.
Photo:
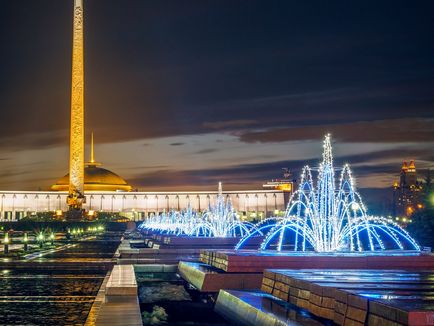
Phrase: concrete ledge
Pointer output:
(122, 282)
(256, 308)
(153, 261)
(248, 261)
(158, 268)
(157, 256)
(153, 252)
(125, 244)
(206, 278)
(120, 313)
(117, 302)
(128, 251)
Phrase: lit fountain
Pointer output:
(219, 221)
(323, 218)
(326, 226)
(172, 222)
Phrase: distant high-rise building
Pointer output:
(406, 192)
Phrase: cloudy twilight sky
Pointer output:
(181, 94)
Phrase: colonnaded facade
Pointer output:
(138, 205)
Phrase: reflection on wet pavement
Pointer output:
(48, 296)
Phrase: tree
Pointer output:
(427, 195)
(422, 226)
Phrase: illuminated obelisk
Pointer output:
(76, 149)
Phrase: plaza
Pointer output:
(196, 105)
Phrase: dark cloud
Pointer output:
(397, 130)
(148, 167)
(267, 72)
(12, 173)
(252, 175)
(35, 140)
(175, 69)
(207, 151)
(229, 124)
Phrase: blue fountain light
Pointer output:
(326, 218)
(219, 220)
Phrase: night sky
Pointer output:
(182, 94)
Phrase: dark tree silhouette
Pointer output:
(422, 226)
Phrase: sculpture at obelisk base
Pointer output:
(76, 197)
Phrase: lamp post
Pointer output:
(6, 243)
(52, 238)
(68, 234)
(25, 240)
(40, 239)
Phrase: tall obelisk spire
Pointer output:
(76, 150)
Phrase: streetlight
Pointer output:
(40, 239)
(25, 240)
(6, 243)
(52, 238)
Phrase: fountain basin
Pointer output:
(249, 261)
(257, 308)
(210, 279)
(357, 297)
